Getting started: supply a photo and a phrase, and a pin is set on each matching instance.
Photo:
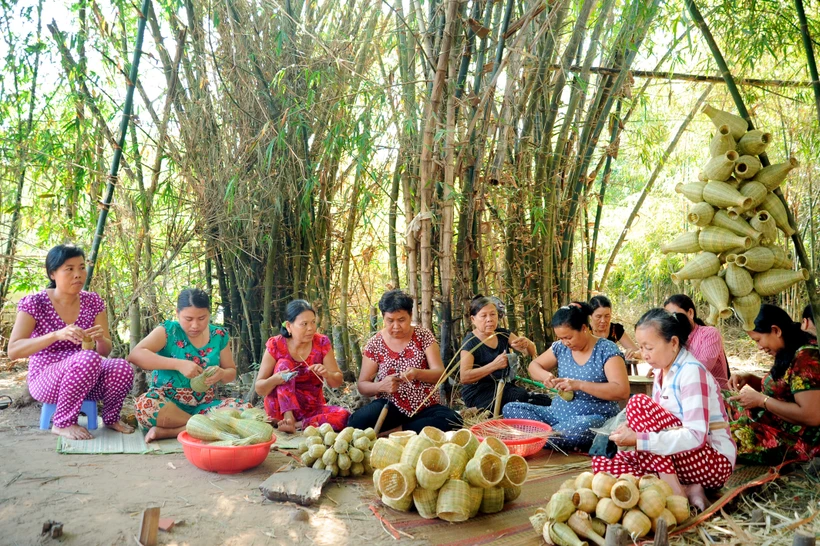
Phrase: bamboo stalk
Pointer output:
(651, 182)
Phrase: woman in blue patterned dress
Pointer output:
(589, 366)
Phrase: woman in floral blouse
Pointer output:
(176, 352)
(778, 416)
(400, 367)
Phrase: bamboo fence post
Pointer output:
(800, 250)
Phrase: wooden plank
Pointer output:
(149, 526)
(302, 486)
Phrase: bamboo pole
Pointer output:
(115, 161)
(651, 182)
(809, 47)
(800, 250)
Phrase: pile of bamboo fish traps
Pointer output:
(346, 453)
(737, 255)
(579, 512)
(449, 476)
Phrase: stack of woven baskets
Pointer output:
(586, 504)
(737, 259)
(452, 477)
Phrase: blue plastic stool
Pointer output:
(89, 407)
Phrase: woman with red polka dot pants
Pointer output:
(682, 432)
(400, 367)
(51, 328)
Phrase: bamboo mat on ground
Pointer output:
(110, 442)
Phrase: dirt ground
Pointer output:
(100, 498)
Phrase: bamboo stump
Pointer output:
(802, 538)
(661, 534)
(616, 535)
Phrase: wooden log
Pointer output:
(661, 534)
(616, 535)
(802, 538)
(380, 420)
(499, 394)
(149, 526)
(302, 486)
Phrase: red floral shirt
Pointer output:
(414, 395)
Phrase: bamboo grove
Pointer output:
(326, 150)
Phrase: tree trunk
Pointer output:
(344, 281)
(809, 47)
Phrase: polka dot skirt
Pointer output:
(703, 465)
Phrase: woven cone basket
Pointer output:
(722, 142)
(775, 208)
(403, 504)
(466, 439)
(701, 266)
(754, 142)
(738, 226)
(454, 501)
(746, 167)
(722, 195)
(434, 435)
(756, 259)
(484, 470)
(608, 511)
(774, 175)
(679, 506)
(692, 191)
(754, 191)
(402, 436)
(493, 500)
(684, 243)
(384, 453)
(636, 523)
(716, 239)
(585, 500)
(511, 493)
(764, 223)
(746, 307)
(414, 448)
(458, 459)
(738, 280)
(782, 259)
(397, 481)
(774, 281)
(624, 494)
(433, 468)
(476, 496)
(492, 445)
(716, 292)
(701, 214)
(737, 125)
(515, 471)
(720, 167)
(426, 502)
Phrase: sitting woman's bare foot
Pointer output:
(72, 432)
(120, 426)
(160, 433)
(696, 496)
(286, 425)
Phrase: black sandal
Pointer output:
(5, 402)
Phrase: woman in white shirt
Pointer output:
(682, 432)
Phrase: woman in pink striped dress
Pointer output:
(705, 342)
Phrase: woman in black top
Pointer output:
(484, 359)
(602, 326)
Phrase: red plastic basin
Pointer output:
(223, 459)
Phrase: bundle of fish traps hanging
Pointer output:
(741, 221)
(579, 512)
(451, 476)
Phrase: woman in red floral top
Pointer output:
(400, 367)
(778, 416)
(297, 400)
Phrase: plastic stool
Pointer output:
(89, 407)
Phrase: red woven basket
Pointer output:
(517, 445)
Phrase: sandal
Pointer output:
(5, 402)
